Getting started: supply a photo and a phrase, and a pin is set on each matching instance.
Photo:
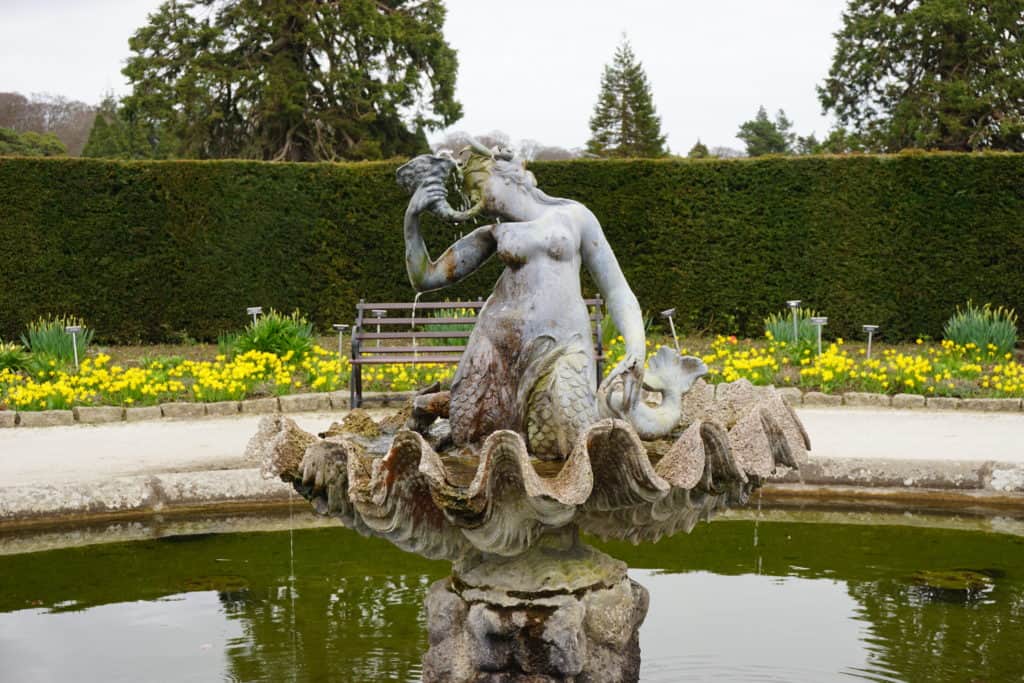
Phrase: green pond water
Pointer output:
(808, 602)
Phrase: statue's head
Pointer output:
(481, 168)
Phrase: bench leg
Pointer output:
(357, 387)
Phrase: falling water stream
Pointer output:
(757, 521)
(291, 581)
(412, 324)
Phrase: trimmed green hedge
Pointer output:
(157, 251)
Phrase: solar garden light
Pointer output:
(819, 322)
(341, 336)
(254, 311)
(668, 314)
(73, 330)
(379, 313)
(793, 305)
(870, 329)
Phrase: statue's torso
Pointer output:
(536, 307)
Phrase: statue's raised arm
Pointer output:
(424, 177)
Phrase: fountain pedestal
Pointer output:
(560, 611)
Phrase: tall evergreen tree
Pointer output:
(699, 151)
(764, 136)
(295, 80)
(937, 74)
(116, 134)
(624, 123)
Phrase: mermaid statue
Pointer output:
(529, 364)
(458, 475)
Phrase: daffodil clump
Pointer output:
(947, 369)
(398, 377)
(99, 382)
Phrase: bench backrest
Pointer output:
(379, 325)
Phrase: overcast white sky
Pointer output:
(530, 68)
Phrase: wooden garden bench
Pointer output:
(392, 332)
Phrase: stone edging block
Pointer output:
(222, 408)
(339, 400)
(142, 413)
(866, 400)
(991, 405)
(817, 398)
(297, 403)
(47, 418)
(8, 418)
(260, 406)
(183, 409)
(385, 398)
(906, 401)
(942, 403)
(94, 415)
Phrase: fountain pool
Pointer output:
(864, 599)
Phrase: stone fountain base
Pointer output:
(562, 611)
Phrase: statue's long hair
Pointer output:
(516, 173)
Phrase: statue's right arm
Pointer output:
(458, 261)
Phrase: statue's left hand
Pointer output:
(630, 371)
(427, 197)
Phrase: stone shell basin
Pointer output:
(497, 499)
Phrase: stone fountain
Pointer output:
(500, 474)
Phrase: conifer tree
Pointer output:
(764, 136)
(624, 123)
(933, 74)
(699, 151)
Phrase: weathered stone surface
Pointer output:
(222, 408)
(260, 406)
(304, 403)
(697, 402)
(339, 400)
(183, 409)
(791, 395)
(942, 403)
(8, 418)
(278, 447)
(819, 400)
(47, 418)
(907, 401)
(98, 414)
(143, 413)
(562, 614)
(866, 400)
(358, 422)
(144, 492)
(992, 405)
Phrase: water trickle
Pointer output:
(412, 324)
(291, 583)
(757, 521)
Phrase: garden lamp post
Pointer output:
(254, 311)
(379, 313)
(819, 322)
(668, 314)
(794, 304)
(73, 330)
(870, 329)
(340, 327)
